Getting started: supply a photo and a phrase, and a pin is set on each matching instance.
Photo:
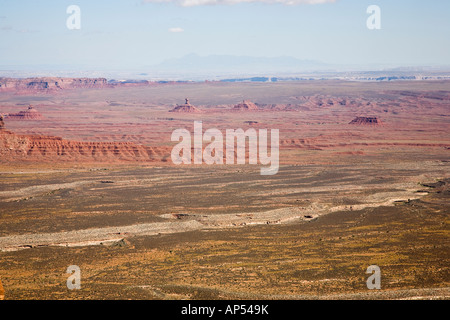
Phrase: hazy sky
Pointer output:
(134, 33)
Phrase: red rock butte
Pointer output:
(371, 121)
(186, 107)
(30, 114)
(246, 105)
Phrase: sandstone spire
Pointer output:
(186, 107)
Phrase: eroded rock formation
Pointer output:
(372, 121)
(29, 114)
(50, 84)
(246, 105)
(186, 107)
(15, 147)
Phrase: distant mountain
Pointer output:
(229, 64)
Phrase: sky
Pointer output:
(133, 34)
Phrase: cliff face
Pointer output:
(50, 83)
(55, 149)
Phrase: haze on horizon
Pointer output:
(145, 34)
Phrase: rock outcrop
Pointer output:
(50, 84)
(29, 114)
(371, 121)
(15, 147)
(246, 105)
(2, 124)
(186, 107)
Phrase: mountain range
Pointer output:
(230, 64)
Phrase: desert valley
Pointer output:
(87, 179)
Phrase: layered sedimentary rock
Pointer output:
(29, 114)
(15, 147)
(50, 84)
(246, 105)
(372, 121)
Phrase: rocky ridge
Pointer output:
(50, 84)
(33, 148)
